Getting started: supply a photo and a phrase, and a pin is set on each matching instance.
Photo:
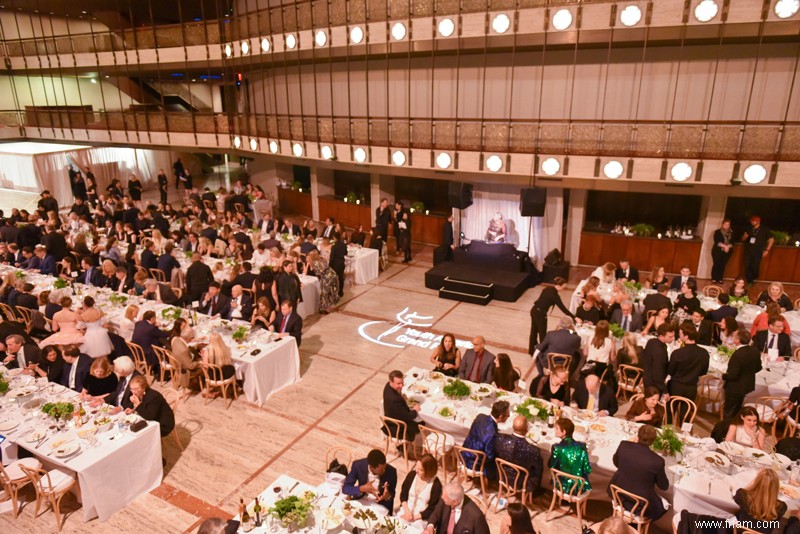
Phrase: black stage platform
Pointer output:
(505, 285)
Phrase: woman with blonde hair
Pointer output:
(109, 269)
(758, 502)
(219, 354)
(775, 294)
(101, 381)
(158, 239)
(629, 352)
(605, 273)
(128, 321)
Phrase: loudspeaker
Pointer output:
(459, 195)
(532, 201)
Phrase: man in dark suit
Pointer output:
(55, 243)
(246, 278)
(192, 242)
(516, 448)
(703, 327)
(329, 231)
(684, 278)
(267, 224)
(159, 292)
(214, 302)
(26, 299)
(656, 301)
(271, 242)
(454, 507)
(396, 407)
(20, 355)
(740, 378)
(641, 471)
(92, 275)
(773, 341)
(288, 227)
(150, 405)
(593, 395)
(477, 364)
(383, 217)
(198, 278)
(481, 437)
(337, 262)
(625, 316)
(146, 334)
(654, 359)
(308, 245)
(241, 305)
(76, 368)
(687, 364)
(626, 272)
(124, 281)
(125, 371)
(47, 263)
(358, 484)
(724, 309)
(167, 262)
(288, 323)
(564, 340)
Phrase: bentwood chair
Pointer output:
(158, 274)
(173, 398)
(437, 444)
(396, 432)
(13, 478)
(139, 359)
(797, 304)
(51, 486)
(8, 312)
(334, 452)
(712, 291)
(633, 515)
(164, 363)
(710, 390)
(796, 354)
(629, 380)
(555, 358)
(26, 316)
(680, 410)
(512, 481)
(473, 469)
(573, 493)
(214, 379)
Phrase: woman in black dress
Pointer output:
(135, 190)
(553, 387)
(101, 381)
(446, 358)
(51, 365)
(91, 189)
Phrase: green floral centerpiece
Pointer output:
(172, 313)
(725, 352)
(351, 197)
(632, 286)
(20, 274)
(642, 229)
(456, 389)
(58, 410)
(418, 207)
(3, 385)
(60, 283)
(240, 334)
(616, 330)
(531, 408)
(738, 302)
(293, 511)
(116, 298)
(668, 442)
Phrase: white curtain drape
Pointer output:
(489, 199)
(17, 172)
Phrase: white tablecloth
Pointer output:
(311, 292)
(363, 265)
(277, 366)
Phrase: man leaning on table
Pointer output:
(373, 478)
(456, 514)
(396, 407)
(20, 355)
(477, 364)
(288, 323)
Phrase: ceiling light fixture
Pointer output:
(297, 149)
(326, 151)
(551, 166)
(494, 163)
(273, 146)
(681, 172)
(399, 31)
(399, 158)
(786, 8)
(356, 35)
(291, 41)
(360, 155)
(446, 27)
(501, 23)
(754, 174)
(443, 160)
(562, 19)
(265, 46)
(613, 169)
(706, 10)
(321, 38)
(630, 16)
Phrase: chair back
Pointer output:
(164, 357)
(213, 373)
(767, 408)
(36, 475)
(239, 207)
(26, 316)
(796, 353)
(712, 291)
(560, 477)
(651, 313)
(630, 514)
(555, 358)
(208, 204)
(139, 359)
(478, 464)
(395, 428)
(629, 379)
(512, 477)
(334, 452)
(172, 397)
(178, 292)
(710, 387)
(158, 274)
(434, 442)
(8, 312)
(250, 293)
(680, 410)
(636, 397)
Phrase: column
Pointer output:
(712, 212)
(321, 185)
(264, 171)
(380, 186)
(576, 215)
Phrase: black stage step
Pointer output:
(505, 285)
(466, 291)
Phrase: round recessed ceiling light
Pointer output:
(291, 41)
(245, 48)
(273, 146)
(356, 35)
(613, 169)
(681, 172)
(706, 10)
(562, 19)
(501, 23)
(494, 163)
(446, 27)
(443, 160)
(360, 155)
(265, 45)
(321, 38)
(551, 166)
(253, 143)
(754, 174)
(237, 141)
(297, 149)
(786, 8)
(326, 151)
(399, 158)
(398, 31)
(630, 16)
(228, 50)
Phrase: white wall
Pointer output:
(53, 91)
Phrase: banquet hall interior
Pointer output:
(267, 207)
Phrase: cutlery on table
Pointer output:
(42, 441)
(73, 456)
(292, 488)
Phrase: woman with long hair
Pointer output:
(263, 314)
(446, 357)
(727, 326)
(505, 376)
(658, 276)
(657, 319)
(759, 505)
(219, 354)
(101, 381)
(745, 429)
(738, 288)
(600, 349)
(96, 342)
(517, 520)
(630, 351)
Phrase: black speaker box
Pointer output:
(459, 195)
(532, 201)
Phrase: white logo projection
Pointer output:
(408, 330)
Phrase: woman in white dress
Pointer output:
(96, 342)
(421, 491)
(600, 349)
(605, 273)
(744, 429)
(127, 323)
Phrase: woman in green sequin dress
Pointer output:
(570, 456)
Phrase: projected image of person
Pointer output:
(497, 229)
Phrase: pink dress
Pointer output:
(68, 333)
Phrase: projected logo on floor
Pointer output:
(406, 331)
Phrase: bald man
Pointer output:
(591, 394)
(515, 448)
(477, 365)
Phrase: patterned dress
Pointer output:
(571, 457)
(328, 283)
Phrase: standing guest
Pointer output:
(135, 190)
(96, 342)
(775, 293)
(758, 241)
(421, 490)
(684, 278)
(100, 383)
(65, 326)
(687, 364)
(641, 472)
(740, 377)
(564, 340)
(654, 359)
(517, 520)
(287, 284)
(773, 341)
(570, 456)
(628, 319)
(516, 449)
(338, 261)
(162, 185)
(591, 394)
(198, 278)
(372, 476)
(396, 407)
(600, 350)
(647, 409)
(724, 310)
(456, 514)
(626, 272)
(721, 251)
(402, 227)
(151, 405)
(76, 368)
(328, 281)
(288, 323)
(543, 305)
(481, 437)
(383, 216)
(448, 238)
(446, 357)
(505, 376)
(553, 387)
(477, 365)
(91, 188)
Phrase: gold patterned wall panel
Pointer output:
(310, 129)
(399, 131)
(721, 141)
(338, 12)
(379, 132)
(444, 135)
(583, 139)
(476, 6)
(422, 8)
(320, 14)
(759, 142)
(398, 9)
(326, 130)
(553, 138)
(523, 138)
(446, 7)
(495, 137)
(790, 149)
(360, 131)
(650, 140)
(276, 20)
(283, 127)
(272, 126)
(341, 130)
(357, 10)
(377, 10)
(685, 142)
(469, 136)
(296, 124)
(616, 139)
(305, 17)
(421, 134)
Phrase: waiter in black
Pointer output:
(383, 217)
(541, 308)
(758, 242)
(448, 241)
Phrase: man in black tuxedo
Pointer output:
(267, 224)
(383, 217)
(395, 406)
(654, 359)
(516, 448)
(740, 378)
(626, 272)
(54, 242)
(125, 371)
(76, 368)
(26, 299)
(198, 278)
(641, 471)
(337, 262)
(358, 483)
(214, 302)
(561, 341)
(626, 317)
(330, 231)
(687, 364)
(92, 275)
(246, 278)
(772, 341)
(477, 364)
(20, 355)
(448, 239)
(724, 309)
(656, 301)
(124, 281)
(684, 278)
(288, 227)
(241, 305)
(593, 395)
(703, 327)
(159, 292)
(288, 323)
(455, 507)
(147, 334)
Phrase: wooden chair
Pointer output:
(26, 316)
(178, 292)
(334, 452)
(158, 274)
(797, 304)
(437, 444)
(397, 435)
(173, 398)
(635, 514)
(139, 359)
(796, 354)
(575, 495)
(555, 358)
(680, 410)
(51, 486)
(712, 291)
(790, 429)
(513, 481)
(472, 471)
(710, 389)
(8, 312)
(629, 380)
(48, 324)
(178, 376)
(213, 378)
(651, 313)
(767, 408)
(239, 207)
(141, 269)
(250, 293)
(164, 363)
(208, 204)
(12, 478)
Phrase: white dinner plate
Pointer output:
(35, 436)
(732, 448)
(715, 459)
(68, 449)
(757, 455)
(8, 424)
